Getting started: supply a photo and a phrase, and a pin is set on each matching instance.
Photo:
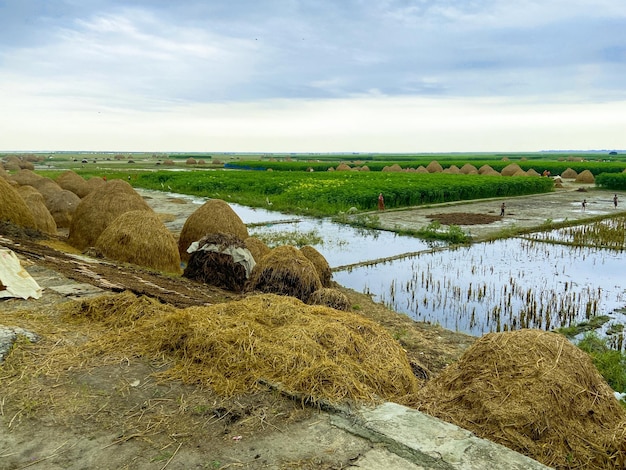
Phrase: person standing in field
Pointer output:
(615, 201)
(584, 204)
(502, 207)
(381, 202)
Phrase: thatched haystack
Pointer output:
(469, 169)
(510, 169)
(27, 177)
(285, 271)
(191, 161)
(12, 163)
(168, 163)
(569, 173)
(319, 262)
(452, 170)
(93, 183)
(395, 168)
(330, 297)
(34, 200)
(520, 172)
(101, 207)
(365, 168)
(491, 172)
(434, 167)
(257, 247)
(214, 216)
(139, 237)
(421, 169)
(585, 176)
(532, 172)
(313, 352)
(72, 181)
(13, 208)
(221, 260)
(61, 203)
(343, 167)
(536, 393)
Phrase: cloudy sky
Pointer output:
(312, 75)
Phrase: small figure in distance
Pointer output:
(584, 204)
(615, 201)
(381, 202)
(502, 207)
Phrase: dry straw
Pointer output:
(101, 207)
(332, 298)
(13, 208)
(318, 353)
(35, 202)
(214, 216)
(26, 177)
(434, 167)
(139, 237)
(469, 169)
(569, 173)
(257, 247)
(285, 271)
(536, 393)
(62, 204)
(585, 176)
(319, 262)
(73, 182)
(511, 170)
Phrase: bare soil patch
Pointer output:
(464, 218)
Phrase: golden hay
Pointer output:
(319, 262)
(510, 170)
(191, 161)
(434, 167)
(343, 167)
(569, 173)
(532, 172)
(520, 172)
(316, 352)
(490, 172)
(536, 393)
(93, 183)
(421, 169)
(469, 169)
(13, 208)
(395, 168)
(62, 204)
(26, 177)
(585, 177)
(214, 216)
(285, 271)
(101, 207)
(332, 298)
(139, 237)
(257, 247)
(34, 200)
(71, 181)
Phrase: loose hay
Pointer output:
(139, 237)
(73, 182)
(585, 176)
(319, 262)
(434, 167)
(332, 298)
(316, 352)
(536, 393)
(13, 208)
(511, 170)
(257, 247)
(62, 204)
(285, 271)
(34, 200)
(569, 173)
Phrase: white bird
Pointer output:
(268, 201)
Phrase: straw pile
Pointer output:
(536, 393)
(12, 163)
(93, 183)
(332, 298)
(26, 177)
(257, 247)
(434, 167)
(71, 181)
(569, 173)
(491, 172)
(44, 221)
(101, 207)
(13, 208)
(421, 169)
(585, 177)
(221, 260)
(139, 237)
(395, 168)
(520, 172)
(532, 172)
(285, 271)
(191, 161)
(469, 169)
(319, 262)
(344, 167)
(511, 169)
(485, 168)
(214, 216)
(62, 204)
(317, 353)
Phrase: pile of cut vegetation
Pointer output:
(536, 393)
(314, 352)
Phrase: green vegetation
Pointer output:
(452, 233)
(586, 326)
(616, 181)
(609, 362)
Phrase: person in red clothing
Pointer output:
(381, 202)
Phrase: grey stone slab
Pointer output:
(75, 289)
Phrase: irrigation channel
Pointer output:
(529, 282)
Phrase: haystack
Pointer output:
(168, 162)
(395, 168)
(434, 167)
(101, 207)
(73, 182)
(332, 298)
(34, 200)
(93, 183)
(12, 163)
(532, 172)
(536, 393)
(221, 260)
(285, 271)
(421, 169)
(26, 177)
(191, 161)
(484, 169)
(343, 167)
(61, 203)
(319, 262)
(569, 173)
(365, 168)
(257, 247)
(316, 353)
(214, 216)
(520, 172)
(139, 237)
(585, 177)
(490, 172)
(13, 208)
(511, 169)
(469, 169)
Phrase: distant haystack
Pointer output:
(421, 169)
(73, 182)
(94, 183)
(485, 168)
(321, 265)
(395, 168)
(452, 170)
(585, 177)
(520, 172)
(469, 169)
(285, 271)
(365, 168)
(191, 161)
(139, 237)
(34, 200)
(490, 172)
(13, 208)
(434, 167)
(27, 177)
(532, 172)
(257, 247)
(569, 173)
(101, 207)
(12, 163)
(332, 298)
(343, 167)
(511, 169)
(168, 163)
(214, 216)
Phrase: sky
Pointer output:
(389, 76)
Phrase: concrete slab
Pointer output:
(381, 458)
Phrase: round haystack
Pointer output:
(221, 260)
(13, 208)
(421, 169)
(191, 161)
(26, 165)
(452, 170)
(510, 170)
(139, 237)
(395, 168)
(569, 173)
(490, 172)
(365, 168)
(12, 163)
(61, 203)
(332, 298)
(536, 393)
(285, 271)
(585, 177)
(93, 183)
(532, 172)
(27, 177)
(520, 172)
(34, 200)
(257, 247)
(321, 265)
(214, 216)
(168, 162)
(101, 207)
(485, 168)
(469, 169)
(434, 167)
(73, 182)
(343, 167)
(316, 353)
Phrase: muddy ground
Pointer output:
(117, 415)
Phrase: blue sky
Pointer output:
(312, 76)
